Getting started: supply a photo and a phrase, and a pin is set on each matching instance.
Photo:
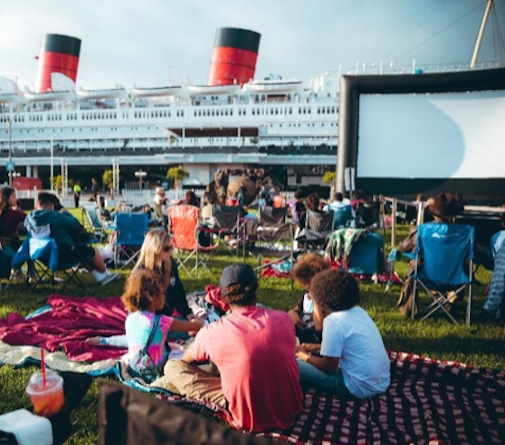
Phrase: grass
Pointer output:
(480, 344)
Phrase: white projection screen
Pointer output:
(425, 133)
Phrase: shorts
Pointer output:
(79, 253)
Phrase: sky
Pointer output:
(149, 43)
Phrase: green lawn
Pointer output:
(481, 344)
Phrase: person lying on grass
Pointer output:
(351, 359)
(143, 296)
(303, 271)
(253, 350)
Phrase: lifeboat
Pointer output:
(156, 92)
(9, 91)
(213, 89)
(273, 86)
(49, 96)
(8, 98)
(111, 93)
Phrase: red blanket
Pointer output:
(67, 325)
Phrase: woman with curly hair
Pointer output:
(351, 359)
(143, 295)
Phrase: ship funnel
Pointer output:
(59, 54)
(234, 56)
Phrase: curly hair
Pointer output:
(236, 295)
(141, 289)
(334, 290)
(306, 267)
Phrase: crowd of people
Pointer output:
(254, 359)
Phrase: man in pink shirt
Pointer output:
(253, 349)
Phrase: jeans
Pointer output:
(315, 378)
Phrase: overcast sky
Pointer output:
(155, 42)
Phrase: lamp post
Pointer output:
(10, 164)
(141, 175)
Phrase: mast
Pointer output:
(481, 33)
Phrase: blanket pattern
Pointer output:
(429, 402)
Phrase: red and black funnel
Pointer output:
(59, 54)
(234, 56)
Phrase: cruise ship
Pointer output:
(285, 126)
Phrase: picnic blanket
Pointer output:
(61, 328)
(428, 402)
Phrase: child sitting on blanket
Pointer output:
(143, 295)
(351, 359)
(302, 314)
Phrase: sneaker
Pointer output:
(108, 279)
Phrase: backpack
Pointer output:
(141, 365)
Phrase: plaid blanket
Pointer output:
(428, 402)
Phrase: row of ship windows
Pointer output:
(53, 117)
(40, 130)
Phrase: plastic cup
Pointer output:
(48, 399)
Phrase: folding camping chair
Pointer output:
(359, 251)
(226, 224)
(129, 232)
(41, 248)
(93, 223)
(318, 226)
(270, 236)
(368, 215)
(446, 252)
(183, 221)
(342, 216)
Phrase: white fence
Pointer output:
(131, 196)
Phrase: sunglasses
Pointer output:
(167, 248)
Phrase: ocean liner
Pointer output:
(285, 126)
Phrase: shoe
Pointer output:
(18, 276)
(108, 279)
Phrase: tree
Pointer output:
(57, 183)
(177, 174)
(108, 179)
(329, 177)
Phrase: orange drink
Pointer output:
(48, 399)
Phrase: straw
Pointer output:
(43, 367)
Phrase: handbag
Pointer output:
(141, 365)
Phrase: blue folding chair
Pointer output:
(129, 232)
(41, 248)
(367, 255)
(357, 251)
(342, 216)
(446, 252)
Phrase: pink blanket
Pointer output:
(67, 325)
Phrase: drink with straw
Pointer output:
(45, 389)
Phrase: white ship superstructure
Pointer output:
(272, 123)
